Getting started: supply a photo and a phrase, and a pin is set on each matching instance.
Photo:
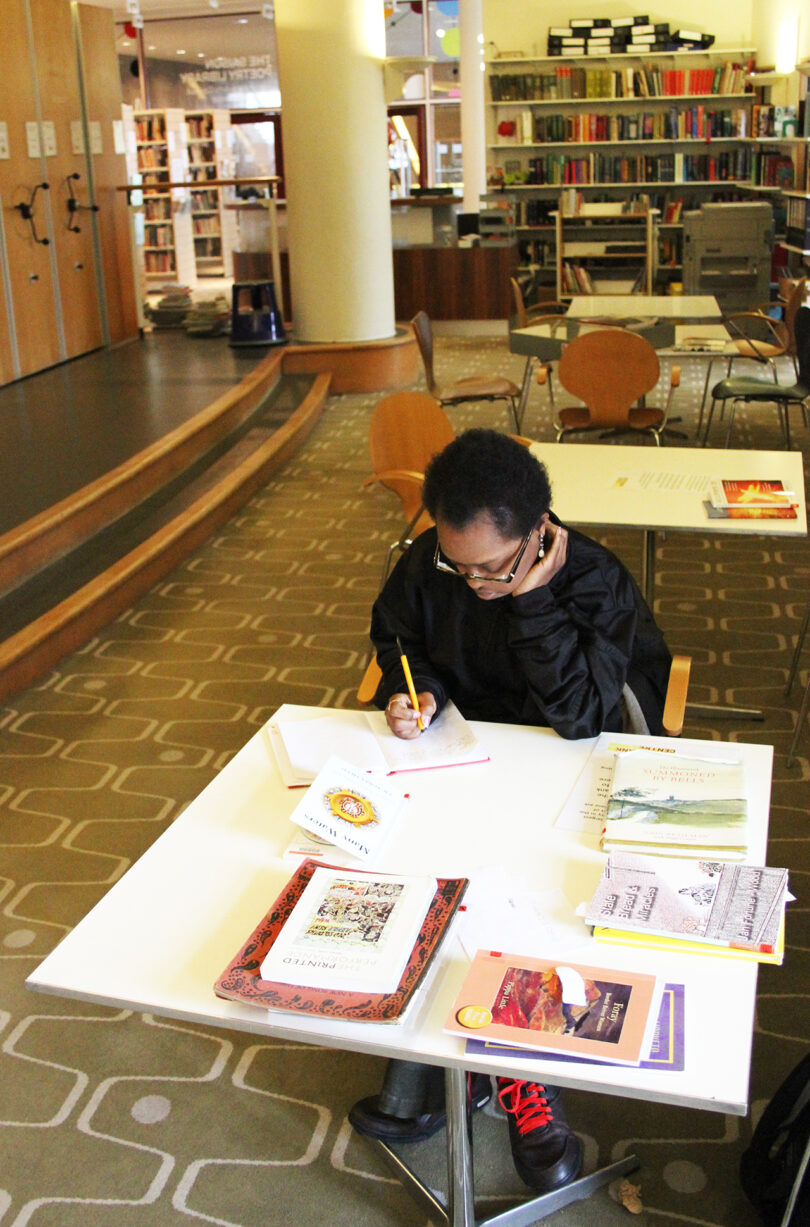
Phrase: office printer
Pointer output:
(727, 253)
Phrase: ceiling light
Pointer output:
(200, 55)
(180, 51)
(241, 21)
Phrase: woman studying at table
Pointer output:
(517, 619)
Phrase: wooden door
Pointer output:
(102, 85)
(72, 235)
(29, 278)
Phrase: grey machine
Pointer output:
(727, 253)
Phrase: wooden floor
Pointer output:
(67, 426)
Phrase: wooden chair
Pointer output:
(757, 337)
(407, 429)
(478, 388)
(739, 389)
(794, 295)
(674, 703)
(610, 370)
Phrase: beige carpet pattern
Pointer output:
(110, 1119)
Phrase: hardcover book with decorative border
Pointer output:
(241, 981)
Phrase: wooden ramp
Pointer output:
(73, 568)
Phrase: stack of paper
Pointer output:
(301, 747)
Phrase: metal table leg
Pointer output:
(460, 1208)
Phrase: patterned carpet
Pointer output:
(110, 1118)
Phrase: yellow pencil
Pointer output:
(406, 668)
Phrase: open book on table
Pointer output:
(302, 745)
(242, 980)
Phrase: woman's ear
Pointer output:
(544, 519)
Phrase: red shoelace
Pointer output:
(527, 1103)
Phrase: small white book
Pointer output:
(302, 746)
(349, 808)
(350, 932)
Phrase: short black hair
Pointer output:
(485, 471)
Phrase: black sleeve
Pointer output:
(574, 651)
(398, 612)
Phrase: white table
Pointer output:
(664, 306)
(164, 932)
(655, 489)
(662, 489)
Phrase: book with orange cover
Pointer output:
(749, 495)
(560, 1007)
(241, 979)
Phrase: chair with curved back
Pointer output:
(407, 429)
(738, 389)
(610, 370)
(477, 388)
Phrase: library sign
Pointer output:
(226, 70)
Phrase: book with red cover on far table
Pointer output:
(751, 499)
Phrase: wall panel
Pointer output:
(29, 262)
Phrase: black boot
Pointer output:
(545, 1152)
(367, 1118)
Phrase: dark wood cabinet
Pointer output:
(454, 283)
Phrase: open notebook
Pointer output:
(302, 745)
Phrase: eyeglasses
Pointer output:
(449, 568)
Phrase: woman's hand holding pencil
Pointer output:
(409, 714)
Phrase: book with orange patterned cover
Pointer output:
(241, 979)
(557, 1007)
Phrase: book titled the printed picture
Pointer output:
(350, 932)
(676, 805)
(567, 1008)
(695, 899)
(242, 980)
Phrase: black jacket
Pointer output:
(557, 656)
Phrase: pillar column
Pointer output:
(473, 136)
(330, 55)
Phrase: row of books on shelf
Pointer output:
(159, 235)
(157, 208)
(797, 219)
(200, 126)
(159, 262)
(571, 81)
(696, 123)
(150, 128)
(151, 157)
(205, 225)
(677, 167)
(772, 169)
(205, 198)
(205, 151)
(777, 121)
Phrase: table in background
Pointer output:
(601, 484)
(696, 307)
(545, 343)
(160, 937)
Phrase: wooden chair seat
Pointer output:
(474, 389)
(484, 388)
(578, 417)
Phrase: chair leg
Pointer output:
(797, 651)
(786, 409)
(799, 723)
(709, 417)
(731, 413)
